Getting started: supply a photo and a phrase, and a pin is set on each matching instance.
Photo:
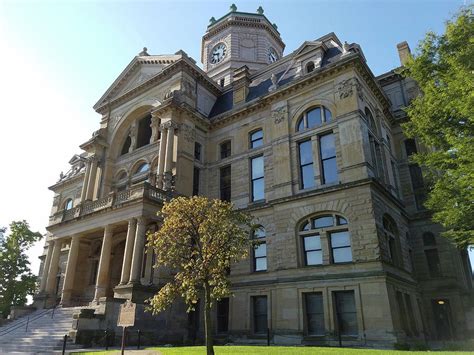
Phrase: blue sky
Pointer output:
(59, 57)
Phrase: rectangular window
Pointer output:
(312, 250)
(410, 147)
(346, 314)
(196, 176)
(258, 181)
(94, 270)
(260, 314)
(411, 314)
(223, 315)
(225, 148)
(314, 313)
(256, 139)
(328, 158)
(197, 151)
(416, 176)
(373, 154)
(260, 257)
(341, 247)
(225, 183)
(403, 313)
(306, 164)
(432, 258)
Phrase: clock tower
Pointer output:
(238, 39)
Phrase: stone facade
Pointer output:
(375, 272)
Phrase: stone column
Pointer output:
(86, 181)
(92, 177)
(47, 262)
(138, 247)
(127, 256)
(104, 264)
(53, 267)
(169, 156)
(161, 157)
(70, 270)
(149, 265)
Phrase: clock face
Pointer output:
(218, 53)
(272, 55)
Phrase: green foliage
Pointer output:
(199, 239)
(442, 118)
(16, 279)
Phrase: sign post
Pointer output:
(126, 319)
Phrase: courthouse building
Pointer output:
(310, 144)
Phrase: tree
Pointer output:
(200, 238)
(442, 118)
(16, 279)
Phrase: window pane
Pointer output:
(256, 139)
(327, 115)
(261, 264)
(259, 233)
(325, 221)
(433, 262)
(341, 221)
(197, 151)
(342, 255)
(260, 314)
(305, 227)
(257, 167)
(429, 239)
(314, 257)
(223, 315)
(312, 242)
(306, 153)
(340, 239)
(225, 150)
(258, 187)
(328, 146)
(300, 125)
(314, 313)
(307, 176)
(314, 117)
(346, 312)
(260, 250)
(314, 303)
(330, 171)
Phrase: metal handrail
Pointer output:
(23, 322)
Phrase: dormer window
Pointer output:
(68, 204)
(309, 67)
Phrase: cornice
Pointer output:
(174, 105)
(69, 181)
(182, 64)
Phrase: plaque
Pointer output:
(126, 316)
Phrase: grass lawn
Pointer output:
(279, 350)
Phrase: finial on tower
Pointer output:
(260, 10)
(233, 8)
(212, 20)
(143, 52)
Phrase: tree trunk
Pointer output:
(208, 320)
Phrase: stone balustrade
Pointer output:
(114, 199)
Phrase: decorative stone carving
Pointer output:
(274, 85)
(168, 95)
(167, 180)
(188, 89)
(280, 114)
(168, 125)
(56, 200)
(133, 136)
(189, 133)
(114, 120)
(346, 88)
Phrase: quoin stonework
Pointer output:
(310, 144)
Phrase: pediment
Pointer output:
(309, 46)
(137, 72)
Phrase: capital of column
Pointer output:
(169, 125)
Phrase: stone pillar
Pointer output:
(138, 247)
(70, 270)
(86, 181)
(161, 157)
(149, 265)
(47, 262)
(169, 156)
(104, 264)
(127, 256)
(53, 267)
(92, 177)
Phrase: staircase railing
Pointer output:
(22, 322)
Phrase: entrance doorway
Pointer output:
(442, 318)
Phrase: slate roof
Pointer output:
(260, 85)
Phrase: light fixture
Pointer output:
(440, 302)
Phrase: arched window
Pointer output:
(256, 138)
(260, 250)
(391, 234)
(121, 176)
(68, 204)
(309, 67)
(126, 146)
(331, 228)
(313, 117)
(370, 120)
(144, 131)
(141, 169)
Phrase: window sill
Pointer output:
(257, 202)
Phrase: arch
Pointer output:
(310, 67)
(255, 138)
(121, 175)
(141, 168)
(309, 104)
(126, 145)
(314, 117)
(144, 131)
(392, 238)
(122, 129)
(370, 119)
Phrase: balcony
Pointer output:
(140, 192)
